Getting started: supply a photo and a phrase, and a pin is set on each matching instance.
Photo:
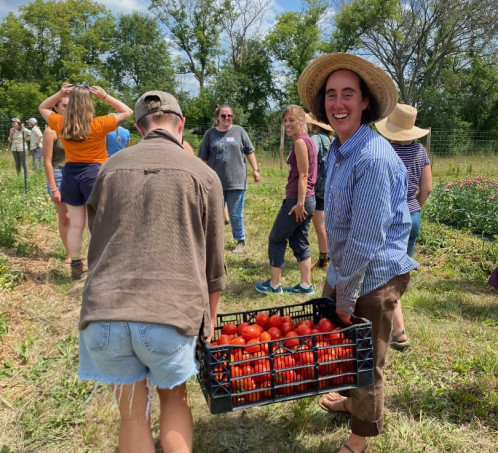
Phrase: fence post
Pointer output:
(282, 145)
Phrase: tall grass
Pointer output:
(441, 394)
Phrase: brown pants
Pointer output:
(367, 415)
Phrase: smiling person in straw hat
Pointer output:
(366, 217)
(320, 134)
(399, 128)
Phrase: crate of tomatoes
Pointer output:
(282, 353)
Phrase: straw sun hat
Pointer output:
(315, 75)
(400, 124)
(310, 119)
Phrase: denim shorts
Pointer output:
(77, 182)
(121, 353)
(58, 179)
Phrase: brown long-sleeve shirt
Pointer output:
(156, 249)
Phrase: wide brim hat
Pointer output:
(310, 119)
(400, 124)
(315, 75)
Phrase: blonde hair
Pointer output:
(78, 117)
(298, 112)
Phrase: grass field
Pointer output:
(441, 394)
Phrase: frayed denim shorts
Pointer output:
(122, 353)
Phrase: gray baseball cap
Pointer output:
(168, 105)
(32, 121)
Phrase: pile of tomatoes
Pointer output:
(276, 353)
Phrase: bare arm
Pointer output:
(45, 108)
(123, 111)
(301, 152)
(424, 185)
(49, 137)
(254, 164)
(213, 310)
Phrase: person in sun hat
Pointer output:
(320, 134)
(17, 138)
(366, 217)
(35, 143)
(399, 128)
(155, 274)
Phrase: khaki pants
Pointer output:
(367, 415)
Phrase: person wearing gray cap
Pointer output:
(35, 143)
(155, 274)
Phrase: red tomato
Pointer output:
(239, 341)
(265, 336)
(213, 343)
(284, 377)
(240, 327)
(275, 333)
(275, 321)
(287, 361)
(260, 328)
(262, 319)
(287, 327)
(307, 322)
(224, 339)
(250, 332)
(287, 319)
(255, 348)
(294, 341)
(303, 330)
(325, 325)
(229, 329)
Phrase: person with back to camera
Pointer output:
(293, 220)
(320, 136)
(223, 148)
(399, 128)
(155, 276)
(83, 137)
(366, 217)
(117, 140)
(18, 137)
(35, 143)
(53, 158)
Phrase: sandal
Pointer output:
(347, 447)
(399, 345)
(332, 398)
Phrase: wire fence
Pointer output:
(269, 140)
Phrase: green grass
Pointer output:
(441, 394)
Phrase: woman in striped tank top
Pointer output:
(399, 128)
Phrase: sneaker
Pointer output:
(78, 270)
(240, 247)
(266, 288)
(299, 289)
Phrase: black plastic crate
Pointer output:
(233, 379)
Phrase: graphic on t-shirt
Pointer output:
(222, 148)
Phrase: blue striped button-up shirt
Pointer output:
(366, 216)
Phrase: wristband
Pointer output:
(256, 169)
(105, 96)
(54, 190)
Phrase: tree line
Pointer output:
(441, 54)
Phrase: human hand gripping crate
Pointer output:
(283, 353)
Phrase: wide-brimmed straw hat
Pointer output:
(400, 124)
(315, 75)
(310, 119)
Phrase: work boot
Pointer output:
(78, 270)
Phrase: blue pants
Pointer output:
(235, 203)
(285, 228)
(413, 232)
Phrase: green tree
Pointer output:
(295, 40)
(139, 59)
(195, 28)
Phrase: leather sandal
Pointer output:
(399, 345)
(347, 447)
(336, 397)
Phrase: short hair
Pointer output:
(369, 115)
(152, 103)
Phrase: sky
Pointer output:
(127, 6)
